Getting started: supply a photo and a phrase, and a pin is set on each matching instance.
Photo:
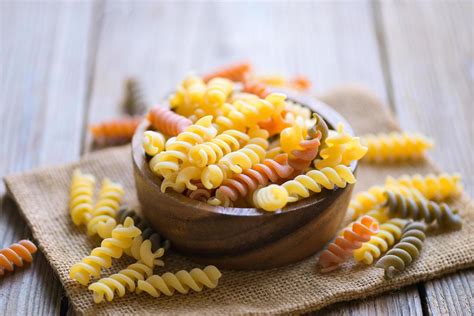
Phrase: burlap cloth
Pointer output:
(42, 196)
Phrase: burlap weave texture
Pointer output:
(42, 196)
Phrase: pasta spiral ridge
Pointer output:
(235, 72)
(101, 257)
(81, 194)
(405, 251)
(389, 233)
(16, 255)
(277, 122)
(181, 281)
(395, 147)
(240, 185)
(105, 210)
(149, 246)
(134, 100)
(201, 193)
(428, 211)
(303, 157)
(153, 143)
(212, 151)
(217, 92)
(433, 187)
(167, 121)
(169, 161)
(374, 198)
(189, 97)
(315, 180)
(258, 88)
(344, 245)
(116, 131)
(119, 283)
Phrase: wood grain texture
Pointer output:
(44, 60)
(430, 51)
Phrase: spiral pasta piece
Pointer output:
(149, 246)
(270, 198)
(181, 281)
(374, 198)
(395, 147)
(167, 121)
(235, 72)
(428, 211)
(212, 151)
(302, 158)
(405, 251)
(103, 221)
(241, 185)
(16, 255)
(119, 283)
(433, 187)
(116, 131)
(389, 233)
(316, 180)
(153, 143)
(189, 96)
(343, 246)
(277, 122)
(340, 148)
(201, 193)
(184, 178)
(101, 257)
(80, 197)
(134, 100)
(217, 92)
(169, 160)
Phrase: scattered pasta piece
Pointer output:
(116, 131)
(119, 283)
(344, 245)
(433, 187)
(405, 251)
(104, 212)
(395, 147)
(101, 257)
(181, 281)
(16, 255)
(428, 211)
(81, 197)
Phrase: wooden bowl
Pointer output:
(242, 238)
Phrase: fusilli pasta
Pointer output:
(344, 245)
(433, 187)
(181, 281)
(80, 198)
(16, 255)
(115, 132)
(395, 146)
(428, 211)
(153, 143)
(166, 121)
(101, 257)
(405, 251)
(120, 282)
(235, 72)
(134, 101)
(389, 233)
(103, 221)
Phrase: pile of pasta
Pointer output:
(123, 231)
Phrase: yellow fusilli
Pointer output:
(433, 187)
(120, 282)
(340, 148)
(395, 146)
(181, 281)
(153, 143)
(81, 197)
(101, 257)
(105, 210)
(189, 96)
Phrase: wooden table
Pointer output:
(63, 67)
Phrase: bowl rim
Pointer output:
(318, 201)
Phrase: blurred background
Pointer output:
(63, 67)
